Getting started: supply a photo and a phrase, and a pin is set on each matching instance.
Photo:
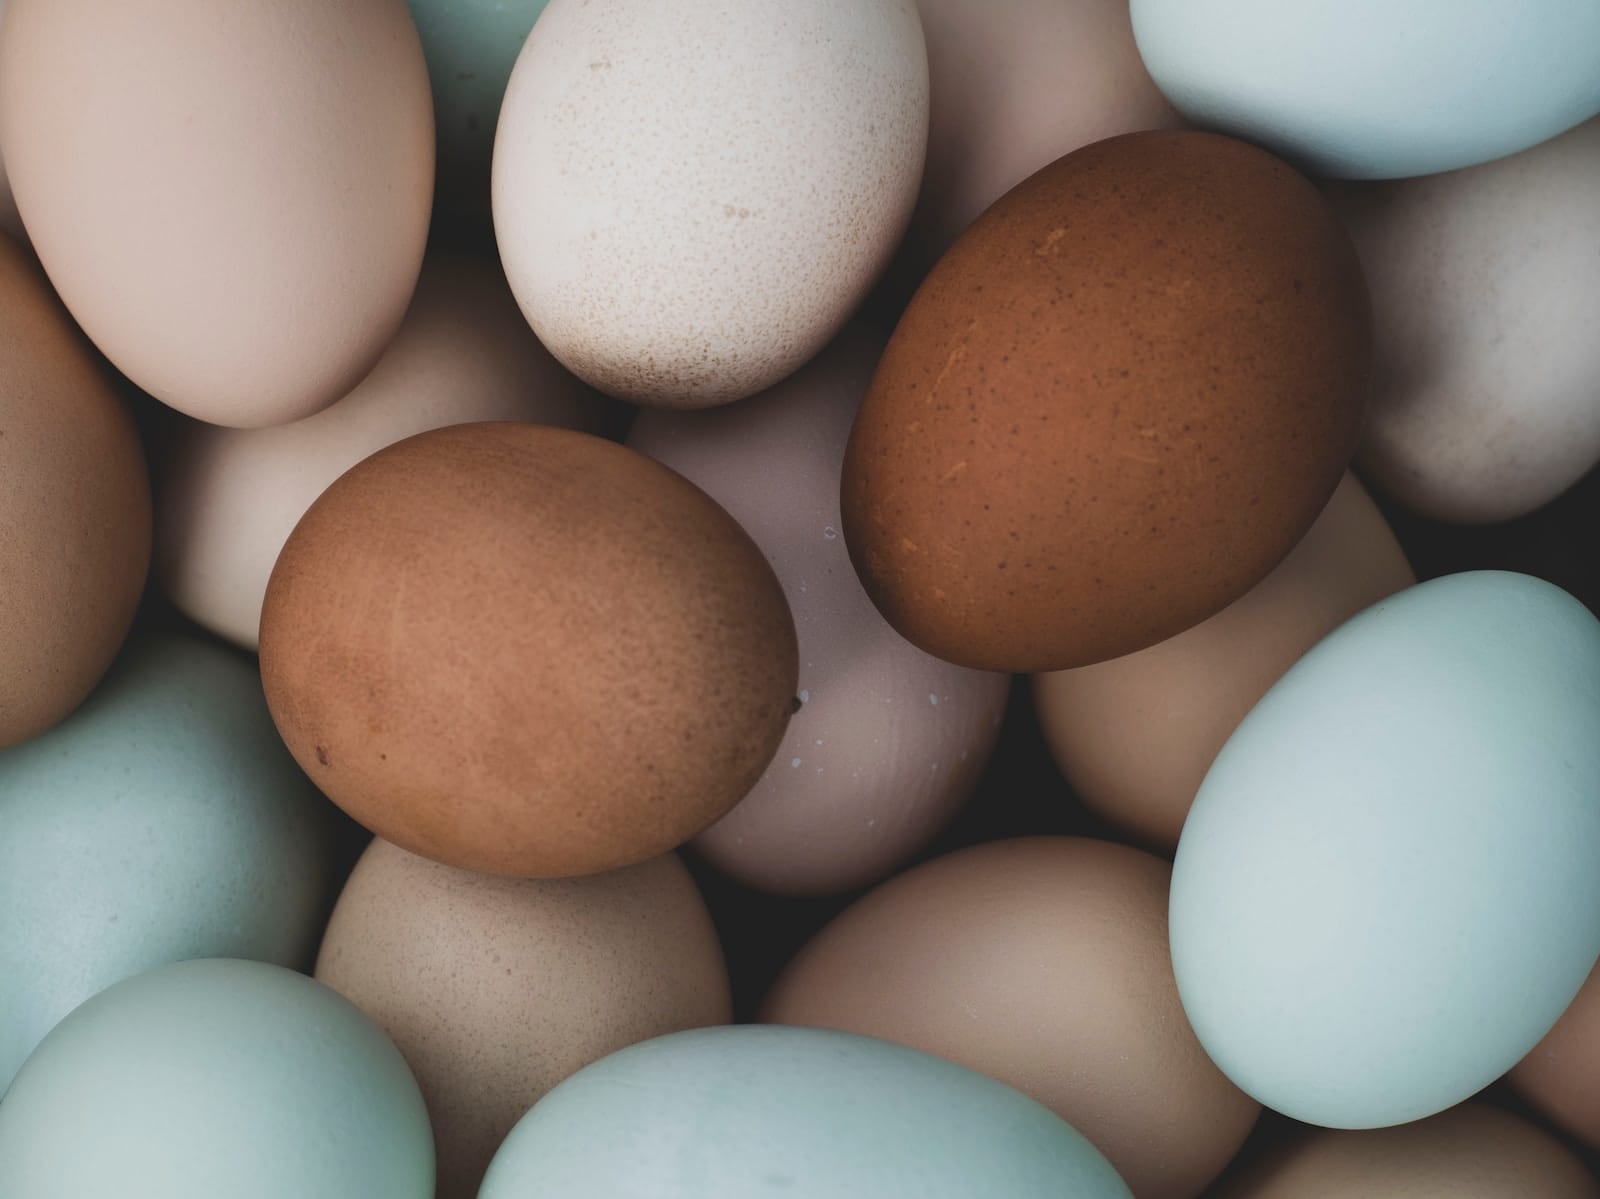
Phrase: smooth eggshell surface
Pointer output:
(497, 989)
(1388, 888)
(888, 741)
(690, 253)
(1561, 1077)
(231, 197)
(805, 1113)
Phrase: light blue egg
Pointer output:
(1377, 89)
(216, 1079)
(802, 1113)
(1388, 888)
(163, 820)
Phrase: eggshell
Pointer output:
(888, 742)
(211, 1078)
(1387, 889)
(1136, 735)
(1041, 962)
(691, 200)
(231, 197)
(1377, 89)
(526, 651)
(1486, 401)
(229, 498)
(10, 221)
(1561, 1077)
(1113, 408)
(74, 507)
(805, 1113)
(497, 989)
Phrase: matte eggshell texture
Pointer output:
(227, 499)
(526, 651)
(1041, 962)
(1114, 406)
(802, 1113)
(497, 989)
(231, 197)
(1486, 291)
(1136, 735)
(216, 1078)
(163, 820)
(888, 741)
(1377, 89)
(74, 508)
(690, 253)
(1561, 1077)
(1389, 885)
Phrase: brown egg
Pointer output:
(1136, 735)
(526, 650)
(1112, 408)
(1473, 1151)
(1561, 1077)
(497, 989)
(74, 508)
(1041, 962)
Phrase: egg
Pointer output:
(1041, 962)
(806, 1113)
(1561, 1077)
(888, 742)
(1387, 889)
(215, 1077)
(229, 498)
(527, 651)
(232, 198)
(688, 200)
(1486, 301)
(74, 504)
(496, 989)
(1379, 89)
(1136, 735)
(10, 220)
(1112, 408)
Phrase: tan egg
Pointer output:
(74, 508)
(1136, 735)
(1041, 962)
(1473, 1151)
(10, 221)
(1561, 1077)
(497, 989)
(888, 741)
(227, 499)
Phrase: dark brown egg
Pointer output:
(1113, 407)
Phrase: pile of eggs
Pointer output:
(698, 600)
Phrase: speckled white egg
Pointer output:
(691, 199)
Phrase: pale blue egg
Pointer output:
(1388, 888)
(216, 1079)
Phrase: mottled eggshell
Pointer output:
(74, 508)
(1041, 962)
(692, 199)
(227, 499)
(1388, 888)
(888, 741)
(231, 197)
(1113, 407)
(800, 1112)
(1136, 735)
(526, 651)
(1561, 1077)
(1377, 89)
(1486, 294)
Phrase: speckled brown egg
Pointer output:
(526, 651)
(1112, 408)
(496, 989)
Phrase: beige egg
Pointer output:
(497, 989)
(1561, 1077)
(1136, 735)
(888, 741)
(1486, 301)
(227, 499)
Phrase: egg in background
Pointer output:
(10, 220)
(1561, 1076)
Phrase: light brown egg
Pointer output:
(1041, 962)
(1561, 1077)
(497, 989)
(1135, 735)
